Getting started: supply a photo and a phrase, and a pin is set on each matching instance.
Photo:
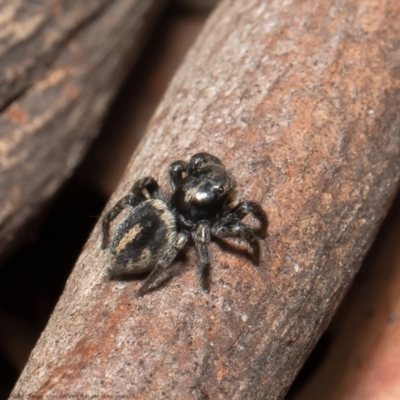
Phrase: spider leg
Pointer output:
(164, 262)
(131, 200)
(201, 237)
(237, 229)
(151, 186)
(176, 170)
(244, 208)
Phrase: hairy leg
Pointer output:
(162, 265)
(176, 170)
(201, 238)
(237, 229)
(244, 208)
(130, 200)
(151, 186)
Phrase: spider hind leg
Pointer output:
(162, 266)
(130, 200)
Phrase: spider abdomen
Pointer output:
(143, 237)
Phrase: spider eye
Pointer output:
(221, 188)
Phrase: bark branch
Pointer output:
(301, 101)
(360, 336)
(61, 63)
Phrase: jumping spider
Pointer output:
(157, 229)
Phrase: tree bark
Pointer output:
(61, 64)
(373, 365)
(301, 102)
(361, 359)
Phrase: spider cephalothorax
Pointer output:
(156, 229)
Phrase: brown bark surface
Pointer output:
(61, 63)
(374, 361)
(361, 352)
(379, 378)
(301, 101)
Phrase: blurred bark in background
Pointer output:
(61, 64)
(287, 95)
(199, 6)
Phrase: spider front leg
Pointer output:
(176, 171)
(151, 186)
(244, 208)
(131, 200)
(201, 237)
(237, 229)
(164, 262)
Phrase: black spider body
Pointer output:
(156, 229)
(204, 192)
(147, 232)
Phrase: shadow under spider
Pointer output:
(234, 249)
(179, 265)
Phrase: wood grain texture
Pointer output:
(60, 63)
(301, 101)
(372, 370)
(359, 339)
